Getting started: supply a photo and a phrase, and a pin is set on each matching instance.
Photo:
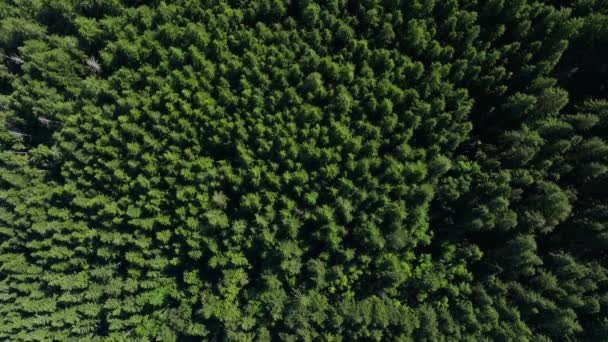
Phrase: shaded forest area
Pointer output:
(338, 170)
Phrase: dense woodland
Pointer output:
(338, 170)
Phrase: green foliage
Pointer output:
(306, 170)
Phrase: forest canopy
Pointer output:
(332, 170)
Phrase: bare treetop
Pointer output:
(93, 65)
(48, 122)
(14, 58)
